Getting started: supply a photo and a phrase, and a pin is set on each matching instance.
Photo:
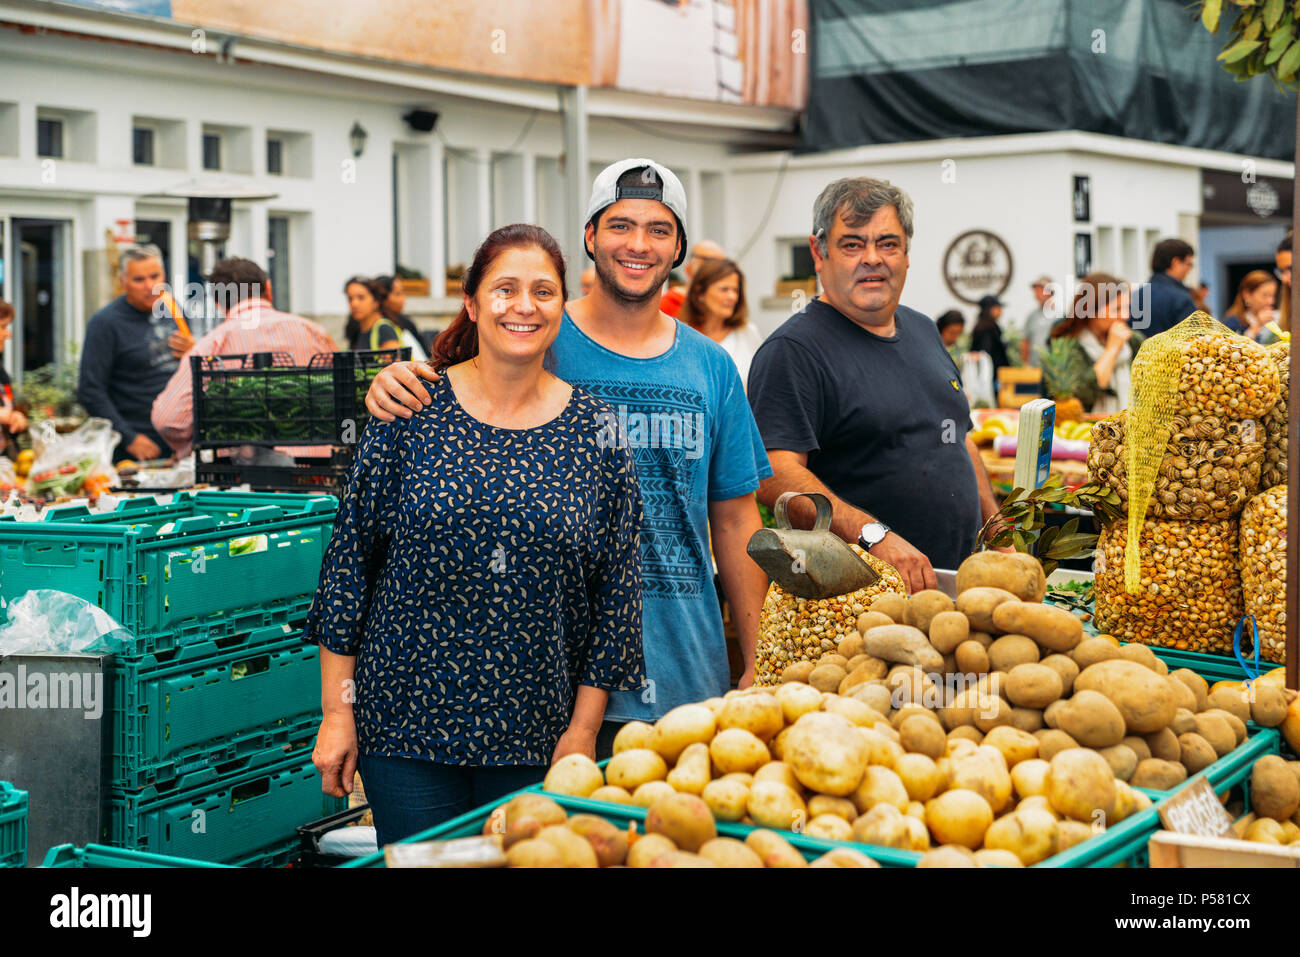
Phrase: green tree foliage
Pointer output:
(1264, 38)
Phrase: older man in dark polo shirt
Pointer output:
(856, 397)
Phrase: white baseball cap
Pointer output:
(605, 191)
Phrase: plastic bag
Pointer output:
(47, 622)
(8, 477)
(977, 377)
(76, 463)
(180, 475)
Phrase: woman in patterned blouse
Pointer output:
(481, 595)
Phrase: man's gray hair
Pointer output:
(858, 198)
(137, 254)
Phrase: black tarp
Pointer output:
(891, 71)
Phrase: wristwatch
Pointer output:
(872, 533)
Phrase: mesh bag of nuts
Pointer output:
(794, 629)
(1210, 468)
(1276, 420)
(1225, 374)
(1190, 590)
(1197, 367)
(1263, 570)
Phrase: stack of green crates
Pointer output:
(97, 857)
(13, 826)
(215, 699)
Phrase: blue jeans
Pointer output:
(410, 795)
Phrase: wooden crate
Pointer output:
(1168, 849)
(1019, 386)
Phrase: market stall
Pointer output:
(1022, 714)
(1064, 752)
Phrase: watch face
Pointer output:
(874, 533)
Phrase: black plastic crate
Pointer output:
(320, 476)
(264, 399)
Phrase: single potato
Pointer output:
(728, 800)
(684, 725)
(1081, 785)
(634, 734)
(958, 816)
(574, 774)
(633, 768)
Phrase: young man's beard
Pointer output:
(605, 276)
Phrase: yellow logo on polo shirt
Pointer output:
(955, 385)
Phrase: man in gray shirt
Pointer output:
(1038, 324)
(130, 352)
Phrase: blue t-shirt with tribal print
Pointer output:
(685, 417)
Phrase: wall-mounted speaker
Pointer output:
(422, 121)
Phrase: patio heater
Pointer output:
(210, 203)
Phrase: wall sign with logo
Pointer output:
(1234, 193)
(1082, 199)
(1082, 254)
(1262, 199)
(977, 264)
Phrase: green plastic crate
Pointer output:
(171, 587)
(98, 856)
(279, 855)
(232, 819)
(1126, 842)
(13, 826)
(1210, 667)
(171, 718)
(1123, 843)
(471, 824)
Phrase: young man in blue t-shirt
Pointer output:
(680, 405)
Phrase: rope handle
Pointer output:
(1236, 648)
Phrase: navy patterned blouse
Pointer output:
(480, 575)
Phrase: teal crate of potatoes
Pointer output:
(629, 818)
(1125, 844)
(13, 826)
(235, 818)
(96, 856)
(202, 711)
(1122, 844)
(172, 573)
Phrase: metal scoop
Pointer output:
(811, 564)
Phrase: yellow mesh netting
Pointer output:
(1199, 367)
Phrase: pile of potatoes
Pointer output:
(679, 832)
(1046, 744)
(1275, 800)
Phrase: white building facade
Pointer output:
(99, 113)
(1021, 189)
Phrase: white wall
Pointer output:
(342, 212)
